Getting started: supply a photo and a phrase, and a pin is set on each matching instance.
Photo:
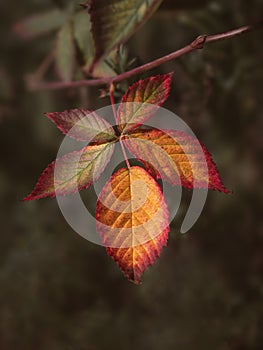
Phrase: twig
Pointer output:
(199, 43)
(125, 154)
(112, 100)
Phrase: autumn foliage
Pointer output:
(131, 213)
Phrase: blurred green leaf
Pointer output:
(114, 21)
(85, 44)
(65, 52)
(40, 24)
(83, 37)
(105, 67)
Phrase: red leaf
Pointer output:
(86, 124)
(135, 260)
(177, 156)
(132, 219)
(74, 171)
(146, 97)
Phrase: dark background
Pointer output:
(59, 291)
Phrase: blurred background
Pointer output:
(59, 291)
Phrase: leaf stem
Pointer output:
(199, 43)
(112, 89)
(125, 154)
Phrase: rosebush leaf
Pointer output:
(132, 220)
(40, 24)
(74, 171)
(178, 157)
(114, 21)
(145, 96)
(83, 125)
(65, 52)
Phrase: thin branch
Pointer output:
(112, 100)
(125, 154)
(199, 43)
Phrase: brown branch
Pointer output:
(199, 43)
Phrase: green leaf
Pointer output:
(83, 37)
(85, 44)
(40, 24)
(72, 172)
(65, 52)
(114, 21)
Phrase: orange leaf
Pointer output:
(178, 158)
(132, 219)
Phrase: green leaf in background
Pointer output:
(83, 37)
(85, 44)
(65, 52)
(40, 24)
(104, 69)
(114, 21)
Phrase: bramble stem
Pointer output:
(199, 43)
(125, 154)
(112, 89)
(112, 100)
